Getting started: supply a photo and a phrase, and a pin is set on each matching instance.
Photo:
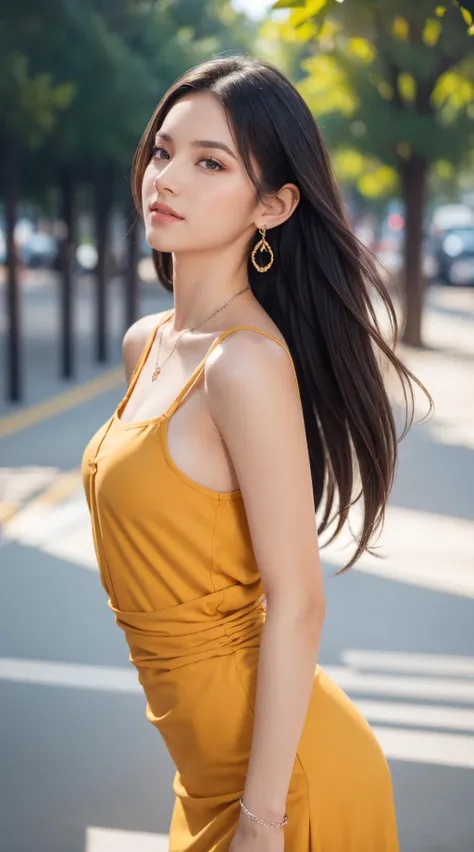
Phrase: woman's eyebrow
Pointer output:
(200, 143)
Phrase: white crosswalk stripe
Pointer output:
(426, 747)
(394, 661)
(112, 840)
(440, 689)
(421, 715)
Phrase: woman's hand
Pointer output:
(251, 836)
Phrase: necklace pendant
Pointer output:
(156, 373)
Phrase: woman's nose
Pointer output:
(168, 177)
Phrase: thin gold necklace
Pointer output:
(157, 370)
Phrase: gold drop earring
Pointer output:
(262, 245)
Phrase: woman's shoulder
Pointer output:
(255, 325)
(141, 329)
(253, 352)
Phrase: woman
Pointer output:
(203, 484)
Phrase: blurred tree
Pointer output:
(394, 82)
(79, 80)
(30, 102)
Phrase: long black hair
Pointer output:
(319, 291)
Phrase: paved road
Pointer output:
(83, 771)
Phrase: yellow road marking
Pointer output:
(15, 422)
(7, 509)
(66, 483)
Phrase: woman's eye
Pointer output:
(155, 150)
(216, 167)
(214, 162)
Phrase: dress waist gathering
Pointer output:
(167, 639)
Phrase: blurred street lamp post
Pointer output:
(67, 239)
(104, 190)
(13, 359)
(131, 271)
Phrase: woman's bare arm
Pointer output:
(254, 401)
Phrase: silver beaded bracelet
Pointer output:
(266, 822)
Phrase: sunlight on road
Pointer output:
(421, 548)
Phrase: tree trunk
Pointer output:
(131, 273)
(67, 255)
(413, 173)
(12, 292)
(103, 208)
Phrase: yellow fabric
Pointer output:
(177, 564)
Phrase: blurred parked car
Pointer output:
(40, 250)
(453, 250)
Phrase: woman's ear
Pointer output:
(279, 206)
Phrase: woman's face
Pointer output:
(205, 185)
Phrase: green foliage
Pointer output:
(31, 102)
(79, 79)
(30, 94)
(388, 79)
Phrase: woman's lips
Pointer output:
(157, 214)
(158, 217)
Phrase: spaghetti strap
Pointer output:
(195, 376)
